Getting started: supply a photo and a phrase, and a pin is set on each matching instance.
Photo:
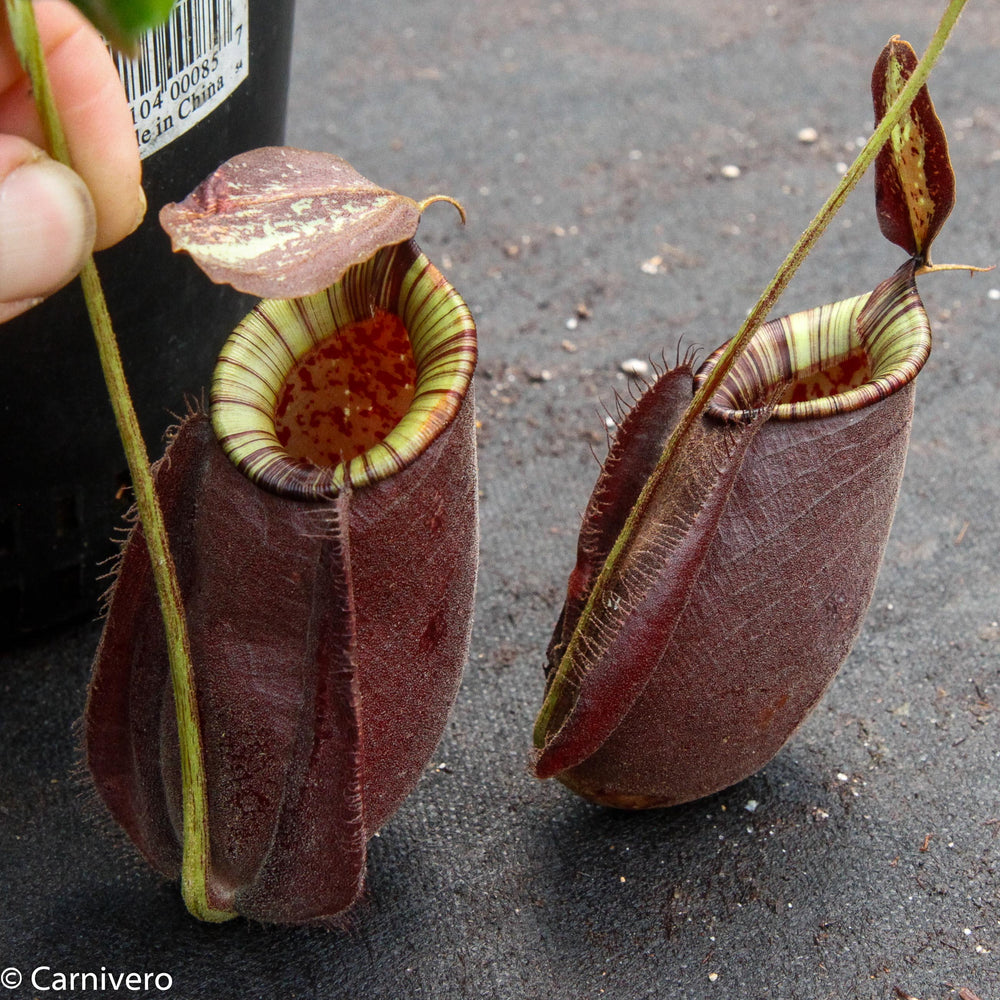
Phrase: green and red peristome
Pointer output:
(831, 359)
(281, 441)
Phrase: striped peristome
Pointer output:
(266, 345)
(886, 329)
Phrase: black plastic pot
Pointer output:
(63, 488)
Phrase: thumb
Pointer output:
(47, 225)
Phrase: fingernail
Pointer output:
(8, 310)
(47, 226)
(141, 210)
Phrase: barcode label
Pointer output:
(185, 69)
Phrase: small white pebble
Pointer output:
(730, 171)
(572, 323)
(842, 777)
(751, 806)
(967, 931)
(635, 367)
(713, 976)
(807, 135)
(993, 295)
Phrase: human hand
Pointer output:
(51, 217)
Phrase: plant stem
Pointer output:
(196, 849)
(751, 324)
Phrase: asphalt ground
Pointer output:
(590, 144)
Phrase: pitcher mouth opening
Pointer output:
(831, 359)
(346, 387)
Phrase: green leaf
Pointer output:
(124, 22)
(282, 223)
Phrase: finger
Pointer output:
(94, 114)
(47, 225)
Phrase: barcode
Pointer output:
(185, 69)
(195, 29)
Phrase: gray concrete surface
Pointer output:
(585, 141)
